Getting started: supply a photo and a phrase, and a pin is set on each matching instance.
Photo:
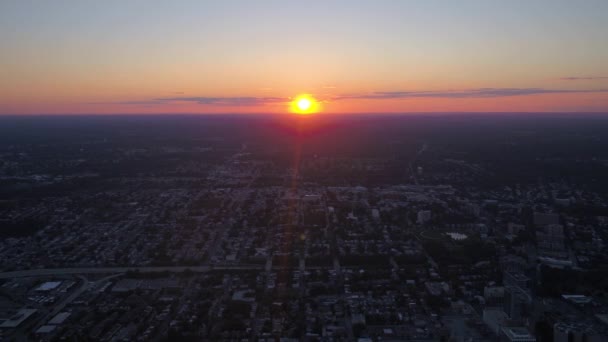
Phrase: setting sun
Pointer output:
(304, 104)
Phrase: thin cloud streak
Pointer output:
(587, 78)
(225, 101)
(379, 95)
(458, 94)
(206, 100)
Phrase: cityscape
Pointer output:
(303, 171)
(195, 228)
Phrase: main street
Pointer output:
(144, 269)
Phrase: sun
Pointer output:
(304, 104)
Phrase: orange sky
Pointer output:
(67, 57)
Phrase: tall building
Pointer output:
(517, 295)
(516, 303)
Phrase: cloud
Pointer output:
(208, 100)
(587, 78)
(241, 101)
(457, 94)
(135, 102)
(225, 101)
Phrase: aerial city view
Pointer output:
(304, 171)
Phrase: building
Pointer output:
(495, 319)
(517, 334)
(424, 216)
(376, 214)
(59, 318)
(575, 332)
(516, 302)
(19, 317)
(551, 237)
(543, 219)
(48, 286)
(516, 279)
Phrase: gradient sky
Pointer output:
(246, 56)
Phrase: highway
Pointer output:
(110, 270)
(144, 269)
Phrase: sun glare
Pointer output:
(304, 104)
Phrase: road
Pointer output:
(109, 270)
(413, 161)
(147, 269)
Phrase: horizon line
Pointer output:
(287, 114)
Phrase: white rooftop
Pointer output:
(59, 318)
(48, 286)
(45, 329)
